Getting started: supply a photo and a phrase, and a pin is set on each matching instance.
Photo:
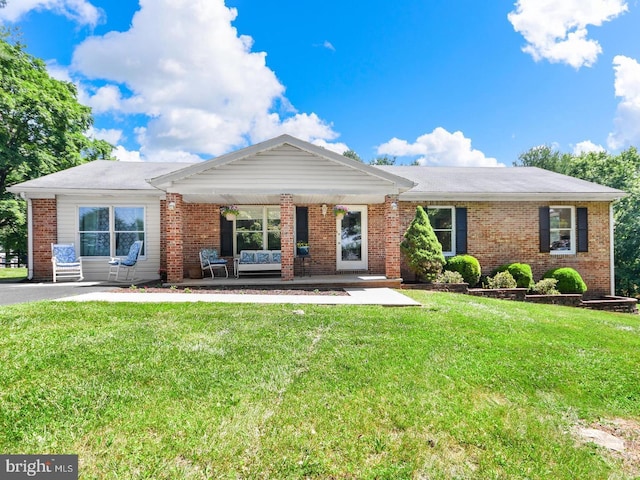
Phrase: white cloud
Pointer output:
(80, 11)
(334, 147)
(440, 148)
(124, 155)
(329, 46)
(557, 30)
(202, 88)
(111, 135)
(586, 147)
(627, 87)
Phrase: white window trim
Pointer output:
(265, 227)
(112, 229)
(572, 230)
(451, 253)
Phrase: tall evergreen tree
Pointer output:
(421, 248)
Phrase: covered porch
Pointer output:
(285, 190)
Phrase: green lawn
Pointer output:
(462, 388)
(16, 273)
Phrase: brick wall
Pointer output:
(45, 232)
(173, 227)
(505, 232)
(201, 229)
(287, 218)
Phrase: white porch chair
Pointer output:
(65, 263)
(209, 260)
(127, 264)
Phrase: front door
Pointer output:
(351, 239)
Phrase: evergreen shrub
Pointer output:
(467, 266)
(569, 280)
(521, 272)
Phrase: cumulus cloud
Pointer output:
(557, 30)
(586, 147)
(79, 11)
(627, 87)
(184, 67)
(111, 135)
(440, 148)
(124, 155)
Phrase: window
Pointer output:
(443, 223)
(110, 231)
(257, 228)
(561, 230)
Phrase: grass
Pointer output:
(13, 273)
(463, 387)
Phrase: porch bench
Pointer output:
(257, 261)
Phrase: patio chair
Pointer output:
(65, 263)
(209, 260)
(127, 264)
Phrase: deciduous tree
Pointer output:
(43, 129)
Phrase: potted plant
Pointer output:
(340, 211)
(230, 212)
(302, 248)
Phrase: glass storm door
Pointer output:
(352, 239)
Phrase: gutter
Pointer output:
(611, 247)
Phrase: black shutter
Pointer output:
(545, 230)
(226, 237)
(461, 231)
(583, 230)
(302, 224)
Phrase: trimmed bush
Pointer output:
(502, 280)
(546, 286)
(421, 248)
(449, 276)
(521, 272)
(569, 280)
(467, 266)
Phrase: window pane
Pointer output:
(129, 219)
(560, 217)
(561, 239)
(273, 241)
(440, 218)
(124, 240)
(250, 219)
(249, 241)
(94, 244)
(94, 219)
(444, 237)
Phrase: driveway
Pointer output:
(20, 292)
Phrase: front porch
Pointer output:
(321, 282)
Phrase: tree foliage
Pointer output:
(352, 155)
(621, 171)
(42, 130)
(421, 248)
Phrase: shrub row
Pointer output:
(557, 280)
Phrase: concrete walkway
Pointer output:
(357, 296)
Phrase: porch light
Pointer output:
(324, 209)
(394, 206)
(171, 205)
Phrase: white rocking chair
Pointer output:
(65, 263)
(129, 263)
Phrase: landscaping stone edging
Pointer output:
(607, 303)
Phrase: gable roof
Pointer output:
(497, 184)
(260, 173)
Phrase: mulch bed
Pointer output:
(235, 291)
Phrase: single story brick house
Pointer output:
(286, 189)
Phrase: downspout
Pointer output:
(29, 239)
(611, 247)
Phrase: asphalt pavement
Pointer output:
(20, 292)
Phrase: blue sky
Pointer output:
(441, 82)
